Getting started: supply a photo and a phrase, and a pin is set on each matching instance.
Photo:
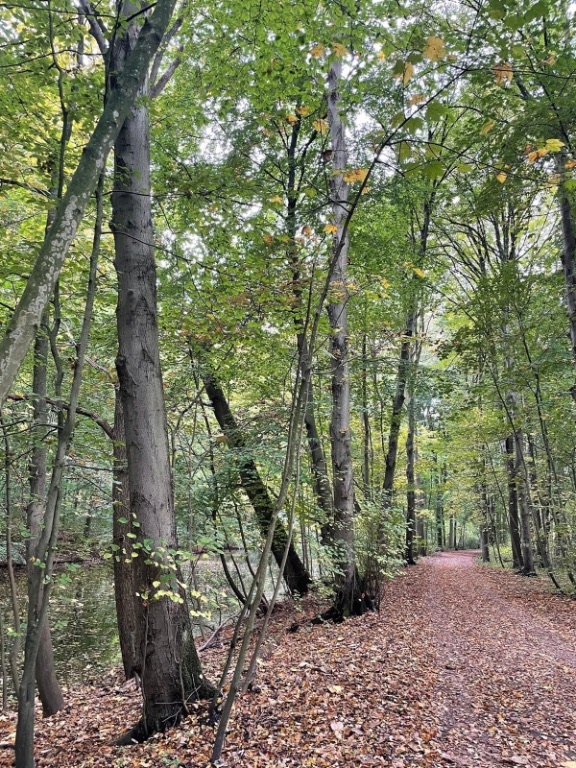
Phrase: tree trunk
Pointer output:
(513, 516)
(439, 509)
(48, 686)
(129, 610)
(295, 575)
(396, 415)
(523, 504)
(350, 598)
(367, 452)
(568, 264)
(171, 674)
(411, 489)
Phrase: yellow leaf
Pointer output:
(570, 164)
(276, 199)
(268, 239)
(569, 764)
(381, 56)
(549, 62)
(487, 127)
(554, 145)
(292, 119)
(155, 584)
(385, 283)
(419, 272)
(339, 50)
(418, 98)
(503, 72)
(321, 126)
(533, 156)
(435, 49)
(406, 74)
(303, 111)
(331, 229)
(358, 174)
(501, 177)
(317, 51)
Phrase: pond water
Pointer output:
(83, 616)
(82, 620)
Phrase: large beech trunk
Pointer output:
(170, 668)
(295, 574)
(129, 610)
(350, 597)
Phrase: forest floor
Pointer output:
(465, 665)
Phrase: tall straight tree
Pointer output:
(350, 598)
(171, 674)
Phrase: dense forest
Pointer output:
(288, 298)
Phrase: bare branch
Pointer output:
(97, 27)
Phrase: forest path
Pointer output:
(506, 687)
(464, 666)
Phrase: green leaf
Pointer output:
(496, 9)
(414, 124)
(514, 22)
(435, 111)
(404, 151)
(537, 11)
(434, 170)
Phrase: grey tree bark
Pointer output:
(170, 674)
(396, 414)
(350, 596)
(411, 488)
(129, 610)
(513, 516)
(48, 686)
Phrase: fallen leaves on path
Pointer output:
(463, 666)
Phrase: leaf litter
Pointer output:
(464, 666)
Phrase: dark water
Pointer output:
(83, 615)
(82, 620)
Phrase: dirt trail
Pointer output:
(464, 665)
(506, 689)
